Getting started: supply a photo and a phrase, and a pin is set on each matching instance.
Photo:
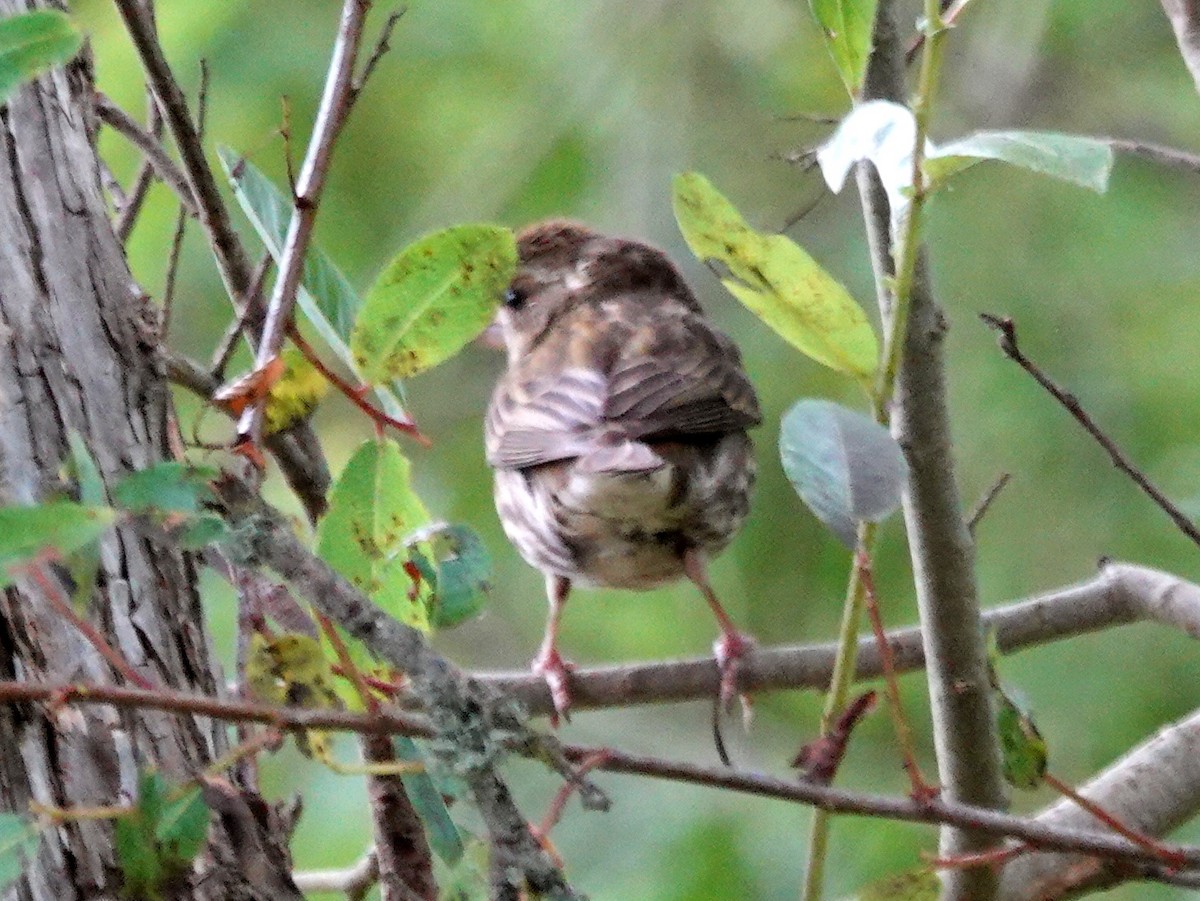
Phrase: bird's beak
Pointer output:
(492, 336)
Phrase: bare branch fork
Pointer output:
(336, 102)
(305, 469)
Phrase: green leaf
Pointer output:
(845, 466)
(32, 42)
(777, 280)
(372, 508)
(444, 836)
(454, 560)
(325, 297)
(1025, 753)
(63, 526)
(183, 828)
(1086, 162)
(18, 843)
(200, 531)
(160, 836)
(431, 299)
(84, 563)
(137, 847)
(168, 487)
(915, 885)
(847, 26)
(84, 472)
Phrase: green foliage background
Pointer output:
(516, 110)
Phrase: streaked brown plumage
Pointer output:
(618, 431)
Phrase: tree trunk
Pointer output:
(77, 352)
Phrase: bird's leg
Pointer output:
(549, 663)
(733, 643)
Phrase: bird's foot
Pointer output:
(729, 650)
(557, 672)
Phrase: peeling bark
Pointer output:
(77, 352)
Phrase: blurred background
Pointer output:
(512, 111)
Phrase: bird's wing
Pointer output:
(546, 419)
(689, 385)
(670, 379)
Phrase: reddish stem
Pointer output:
(54, 594)
(996, 857)
(1172, 857)
(354, 394)
(555, 811)
(922, 791)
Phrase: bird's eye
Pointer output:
(514, 298)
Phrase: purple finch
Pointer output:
(618, 431)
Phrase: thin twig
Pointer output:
(1170, 856)
(336, 101)
(1158, 153)
(181, 217)
(356, 396)
(120, 121)
(1007, 332)
(986, 501)
(168, 300)
(381, 48)
(136, 196)
(224, 350)
(213, 214)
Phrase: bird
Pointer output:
(617, 432)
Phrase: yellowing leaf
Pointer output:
(777, 280)
(295, 395)
(291, 669)
(372, 508)
(434, 297)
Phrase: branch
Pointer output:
(465, 715)
(386, 722)
(1120, 593)
(128, 213)
(354, 882)
(296, 448)
(938, 811)
(1167, 156)
(1154, 788)
(1007, 331)
(336, 102)
(214, 218)
(1174, 750)
(1184, 16)
(120, 121)
(213, 214)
